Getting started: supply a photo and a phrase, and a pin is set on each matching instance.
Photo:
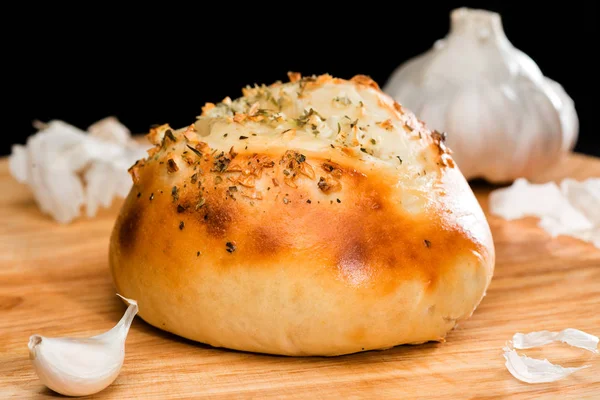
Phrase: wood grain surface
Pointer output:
(54, 280)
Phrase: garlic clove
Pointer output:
(82, 366)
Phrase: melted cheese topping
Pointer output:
(345, 119)
(316, 114)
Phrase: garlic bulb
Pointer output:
(82, 366)
(503, 117)
(67, 168)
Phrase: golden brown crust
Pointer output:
(214, 205)
(365, 80)
(300, 251)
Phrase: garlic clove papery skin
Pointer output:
(504, 119)
(82, 366)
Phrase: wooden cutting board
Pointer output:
(54, 280)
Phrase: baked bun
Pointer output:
(312, 217)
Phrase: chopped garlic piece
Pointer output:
(571, 208)
(573, 337)
(532, 370)
(67, 168)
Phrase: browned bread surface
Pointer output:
(312, 217)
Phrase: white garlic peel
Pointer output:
(504, 118)
(82, 366)
(67, 168)
(569, 207)
(570, 336)
(532, 370)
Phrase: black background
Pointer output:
(153, 65)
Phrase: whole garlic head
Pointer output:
(503, 117)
